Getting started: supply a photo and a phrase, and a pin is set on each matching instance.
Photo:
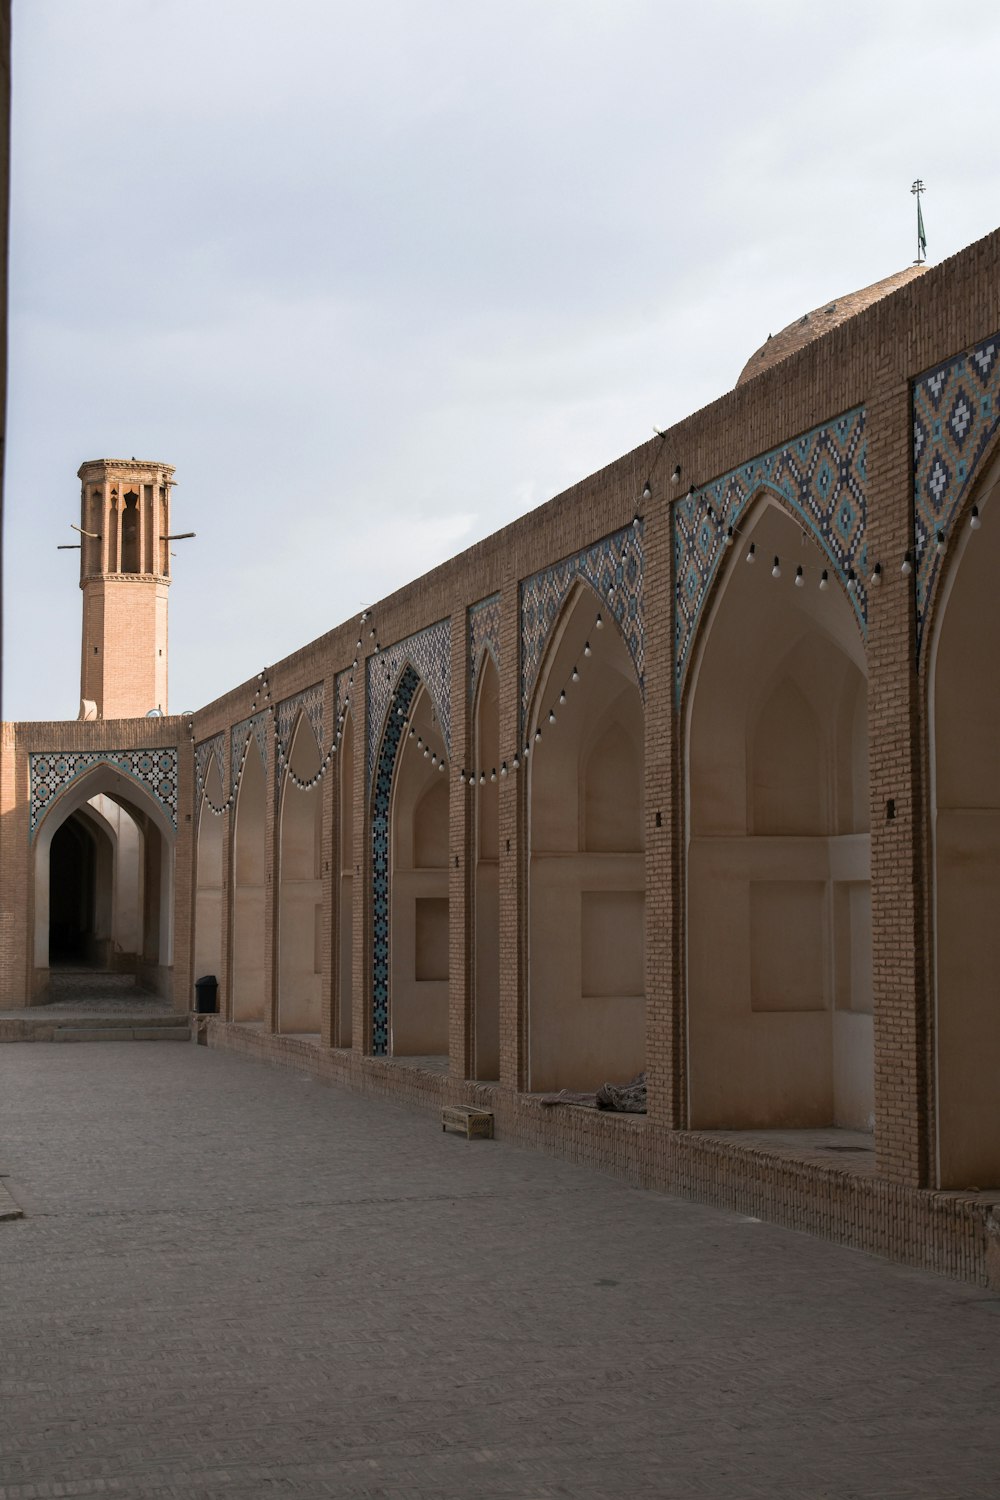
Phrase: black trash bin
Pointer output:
(206, 995)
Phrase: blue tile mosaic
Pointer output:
(614, 569)
(203, 753)
(484, 635)
(398, 707)
(50, 774)
(429, 652)
(821, 478)
(956, 410)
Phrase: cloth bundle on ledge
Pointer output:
(626, 1098)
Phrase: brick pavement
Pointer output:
(235, 1282)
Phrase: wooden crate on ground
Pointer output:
(467, 1121)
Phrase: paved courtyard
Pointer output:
(233, 1281)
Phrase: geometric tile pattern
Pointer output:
(429, 651)
(821, 478)
(614, 569)
(956, 408)
(240, 737)
(381, 803)
(50, 774)
(484, 635)
(202, 755)
(310, 702)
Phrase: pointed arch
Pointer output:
(586, 917)
(249, 922)
(410, 947)
(300, 884)
(964, 721)
(151, 874)
(777, 881)
(209, 878)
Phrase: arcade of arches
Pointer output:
(600, 798)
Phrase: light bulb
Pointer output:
(482, 778)
(647, 491)
(503, 769)
(752, 554)
(876, 577)
(562, 696)
(940, 541)
(974, 521)
(538, 734)
(575, 675)
(586, 649)
(552, 716)
(824, 581)
(907, 567)
(516, 763)
(799, 577)
(776, 570)
(493, 774)
(676, 475)
(599, 623)
(730, 536)
(852, 581)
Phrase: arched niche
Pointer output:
(778, 897)
(130, 909)
(300, 888)
(345, 826)
(586, 966)
(965, 760)
(486, 757)
(419, 927)
(249, 999)
(209, 892)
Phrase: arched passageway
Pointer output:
(965, 730)
(587, 1012)
(249, 999)
(778, 895)
(343, 1035)
(209, 892)
(418, 890)
(300, 888)
(486, 989)
(103, 882)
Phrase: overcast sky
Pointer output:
(379, 276)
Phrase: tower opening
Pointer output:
(130, 533)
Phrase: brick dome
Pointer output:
(814, 324)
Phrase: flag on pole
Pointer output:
(921, 236)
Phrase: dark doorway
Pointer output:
(72, 891)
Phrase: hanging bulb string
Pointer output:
(481, 776)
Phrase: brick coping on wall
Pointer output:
(954, 1234)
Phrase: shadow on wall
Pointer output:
(778, 893)
(587, 1011)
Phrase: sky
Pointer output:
(379, 277)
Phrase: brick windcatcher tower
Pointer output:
(124, 575)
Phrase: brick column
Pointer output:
(329, 872)
(271, 871)
(228, 867)
(664, 823)
(512, 852)
(897, 802)
(361, 980)
(461, 862)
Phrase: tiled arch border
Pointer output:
(399, 706)
(50, 774)
(483, 637)
(956, 417)
(614, 568)
(429, 654)
(820, 477)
